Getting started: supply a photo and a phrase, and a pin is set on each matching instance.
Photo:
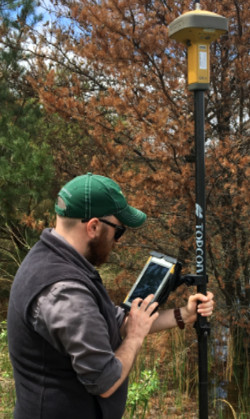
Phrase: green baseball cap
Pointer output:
(90, 195)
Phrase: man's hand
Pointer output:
(198, 303)
(140, 318)
(135, 328)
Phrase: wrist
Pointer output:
(186, 316)
(134, 343)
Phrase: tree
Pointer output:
(111, 66)
(25, 159)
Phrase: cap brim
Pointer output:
(131, 217)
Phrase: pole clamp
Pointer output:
(190, 280)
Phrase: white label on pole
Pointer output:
(202, 60)
(198, 211)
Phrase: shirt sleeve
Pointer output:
(120, 315)
(68, 317)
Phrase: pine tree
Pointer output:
(26, 169)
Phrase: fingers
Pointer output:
(205, 304)
(141, 317)
(206, 309)
(201, 297)
(146, 304)
(136, 302)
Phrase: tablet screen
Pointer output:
(149, 281)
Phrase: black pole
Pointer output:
(202, 326)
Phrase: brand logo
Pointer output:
(200, 249)
(198, 211)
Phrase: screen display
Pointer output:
(150, 281)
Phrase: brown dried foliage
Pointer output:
(116, 73)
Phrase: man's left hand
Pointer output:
(198, 303)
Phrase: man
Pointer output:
(71, 348)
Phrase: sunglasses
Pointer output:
(119, 230)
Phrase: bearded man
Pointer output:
(70, 347)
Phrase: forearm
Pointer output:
(166, 320)
(198, 303)
(126, 353)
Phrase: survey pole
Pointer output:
(197, 29)
(202, 325)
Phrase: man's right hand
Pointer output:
(136, 327)
(140, 318)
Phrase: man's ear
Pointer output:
(93, 228)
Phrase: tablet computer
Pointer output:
(157, 277)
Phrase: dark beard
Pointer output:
(98, 250)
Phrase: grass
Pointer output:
(165, 355)
(7, 389)
(163, 381)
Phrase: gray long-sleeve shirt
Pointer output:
(67, 316)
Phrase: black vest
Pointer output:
(46, 384)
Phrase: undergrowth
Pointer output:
(7, 388)
(163, 381)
